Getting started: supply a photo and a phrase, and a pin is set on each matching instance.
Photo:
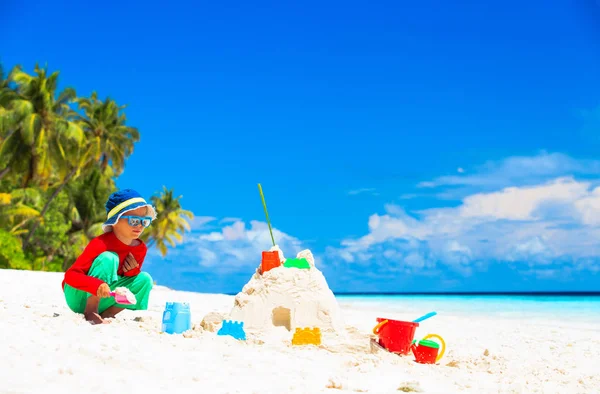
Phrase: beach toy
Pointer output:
(395, 335)
(233, 328)
(307, 336)
(301, 263)
(176, 318)
(269, 261)
(124, 299)
(424, 317)
(426, 351)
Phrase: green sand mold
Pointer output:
(297, 263)
(427, 343)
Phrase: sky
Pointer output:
(411, 146)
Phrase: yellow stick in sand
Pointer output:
(266, 213)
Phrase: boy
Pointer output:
(113, 259)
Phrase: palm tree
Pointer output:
(5, 114)
(74, 154)
(43, 117)
(170, 223)
(12, 111)
(105, 123)
(6, 125)
(54, 145)
(88, 196)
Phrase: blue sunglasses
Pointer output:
(135, 221)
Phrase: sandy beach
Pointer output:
(47, 348)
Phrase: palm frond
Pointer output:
(21, 210)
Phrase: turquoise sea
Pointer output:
(572, 307)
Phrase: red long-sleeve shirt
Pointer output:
(77, 275)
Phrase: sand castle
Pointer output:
(288, 297)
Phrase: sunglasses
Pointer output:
(135, 221)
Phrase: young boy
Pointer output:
(113, 259)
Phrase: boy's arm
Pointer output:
(76, 276)
(140, 260)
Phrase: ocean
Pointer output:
(581, 308)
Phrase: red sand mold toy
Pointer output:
(270, 260)
(394, 335)
(426, 351)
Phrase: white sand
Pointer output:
(45, 348)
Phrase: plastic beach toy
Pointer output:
(395, 335)
(426, 351)
(124, 298)
(307, 336)
(234, 329)
(269, 261)
(301, 263)
(176, 318)
(424, 317)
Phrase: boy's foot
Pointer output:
(111, 312)
(91, 311)
(95, 318)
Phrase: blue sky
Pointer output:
(411, 147)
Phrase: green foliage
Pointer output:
(88, 196)
(59, 158)
(49, 238)
(171, 221)
(11, 255)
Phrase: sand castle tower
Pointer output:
(288, 296)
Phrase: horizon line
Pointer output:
(468, 293)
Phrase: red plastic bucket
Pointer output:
(394, 335)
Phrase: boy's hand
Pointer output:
(129, 263)
(103, 291)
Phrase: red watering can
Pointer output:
(426, 351)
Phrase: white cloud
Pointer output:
(555, 220)
(231, 247)
(363, 190)
(409, 196)
(200, 221)
(229, 220)
(589, 207)
(520, 203)
(518, 170)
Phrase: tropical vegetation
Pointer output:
(60, 157)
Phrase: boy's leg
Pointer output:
(104, 268)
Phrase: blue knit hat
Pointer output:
(123, 201)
